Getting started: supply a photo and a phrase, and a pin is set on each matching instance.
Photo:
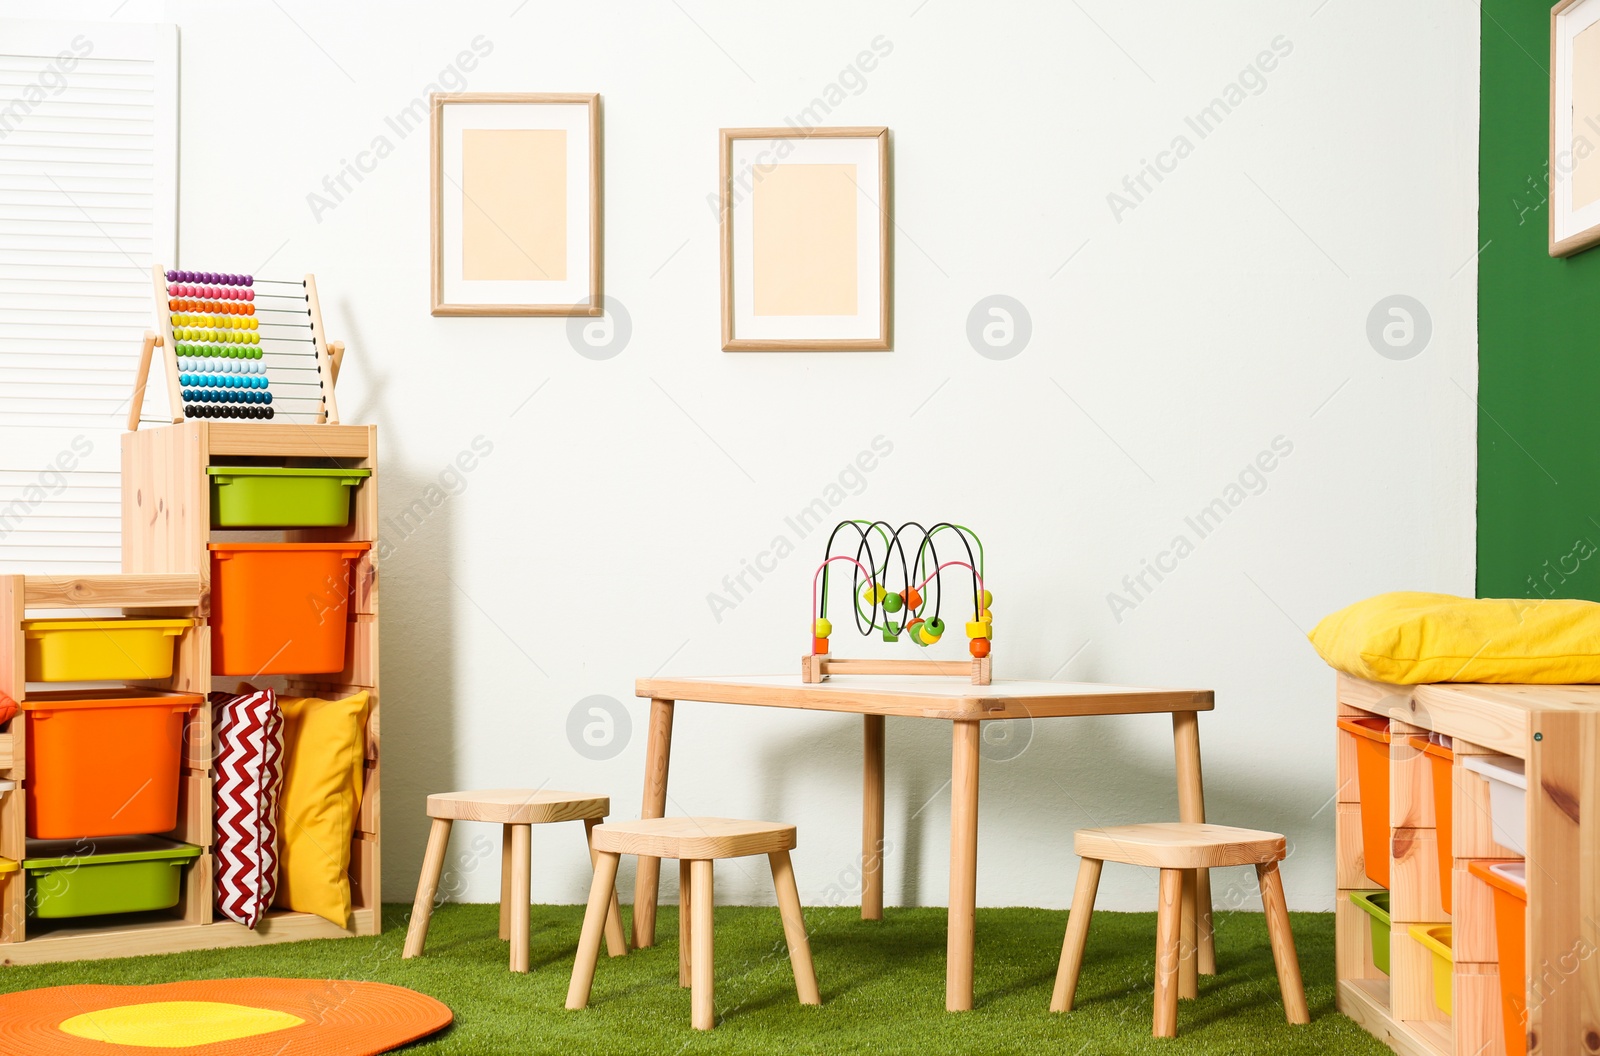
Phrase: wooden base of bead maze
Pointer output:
(816, 667)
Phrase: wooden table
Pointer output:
(964, 706)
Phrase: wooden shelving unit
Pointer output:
(166, 508)
(1556, 731)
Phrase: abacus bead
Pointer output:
(171, 275)
(249, 280)
(822, 628)
(979, 647)
(249, 295)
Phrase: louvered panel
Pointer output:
(88, 152)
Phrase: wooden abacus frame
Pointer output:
(329, 356)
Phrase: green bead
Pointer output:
(892, 602)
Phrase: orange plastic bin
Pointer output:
(280, 608)
(104, 762)
(1371, 735)
(1510, 883)
(1441, 761)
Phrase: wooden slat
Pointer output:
(1353, 941)
(1563, 885)
(1477, 1011)
(1410, 780)
(178, 936)
(195, 899)
(1473, 941)
(1411, 978)
(13, 663)
(286, 439)
(194, 809)
(143, 591)
(1350, 865)
(1414, 877)
(1365, 1001)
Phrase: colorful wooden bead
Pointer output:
(979, 647)
(892, 602)
(912, 598)
(819, 645)
(977, 629)
(934, 627)
(891, 633)
(873, 593)
(988, 599)
(823, 627)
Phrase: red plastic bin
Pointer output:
(104, 762)
(280, 608)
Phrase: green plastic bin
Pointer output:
(119, 874)
(1376, 905)
(281, 496)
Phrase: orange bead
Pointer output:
(979, 647)
(913, 599)
(819, 646)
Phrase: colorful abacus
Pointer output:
(913, 611)
(241, 347)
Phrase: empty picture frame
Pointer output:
(1574, 126)
(805, 239)
(515, 204)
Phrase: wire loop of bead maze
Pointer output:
(911, 612)
(234, 346)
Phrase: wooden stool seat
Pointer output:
(518, 806)
(696, 843)
(694, 839)
(515, 810)
(1179, 846)
(1180, 850)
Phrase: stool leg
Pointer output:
(427, 887)
(685, 932)
(794, 928)
(1077, 935)
(594, 922)
(703, 998)
(521, 870)
(505, 882)
(616, 941)
(1168, 924)
(1188, 940)
(1282, 939)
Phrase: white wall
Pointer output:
(1170, 345)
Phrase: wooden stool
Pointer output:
(696, 843)
(1178, 849)
(516, 810)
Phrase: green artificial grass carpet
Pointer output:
(882, 985)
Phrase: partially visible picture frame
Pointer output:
(806, 249)
(1574, 126)
(515, 204)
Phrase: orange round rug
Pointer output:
(218, 1017)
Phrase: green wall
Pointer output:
(1538, 338)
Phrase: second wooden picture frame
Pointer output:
(806, 240)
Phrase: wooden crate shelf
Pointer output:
(166, 506)
(1556, 731)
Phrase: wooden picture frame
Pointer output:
(1574, 170)
(864, 284)
(489, 253)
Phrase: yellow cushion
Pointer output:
(324, 745)
(1409, 638)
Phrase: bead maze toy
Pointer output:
(241, 347)
(912, 612)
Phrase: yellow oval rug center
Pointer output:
(177, 1024)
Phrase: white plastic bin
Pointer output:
(1508, 797)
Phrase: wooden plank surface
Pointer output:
(928, 697)
(286, 439)
(132, 591)
(177, 936)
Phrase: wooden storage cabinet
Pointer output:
(1554, 730)
(166, 520)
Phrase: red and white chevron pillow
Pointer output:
(248, 730)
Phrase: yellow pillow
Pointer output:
(324, 745)
(1407, 638)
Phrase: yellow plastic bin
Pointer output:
(100, 650)
(1436, 937)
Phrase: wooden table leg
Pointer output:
(962, 931)
(647, 880)
(505, 882)
(1192, 808)
(872, 818)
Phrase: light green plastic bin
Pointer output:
(118, 874)
(281, 496)
(1376, 905)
